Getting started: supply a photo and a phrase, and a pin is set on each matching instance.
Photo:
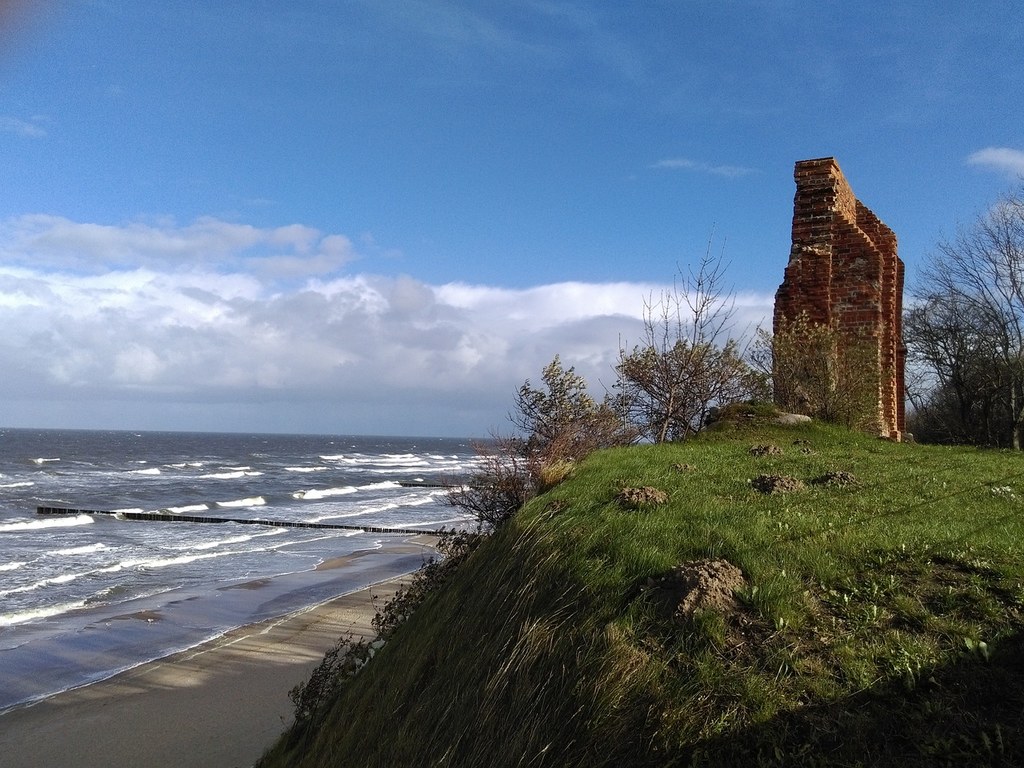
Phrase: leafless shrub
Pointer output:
(686, 364)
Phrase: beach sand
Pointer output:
(220, 705)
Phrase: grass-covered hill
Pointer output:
(876, 620)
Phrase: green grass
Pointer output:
(880, 623)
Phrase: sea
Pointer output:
(84, 596)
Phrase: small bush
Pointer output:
(501, 485)
(339, 664)
(550, 475)
(455, 547)
(348, 656)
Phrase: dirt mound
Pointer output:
(776, 484)
(700, 585)
(637, 498)
(839, 478)
(765, 450)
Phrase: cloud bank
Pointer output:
(1000, 159)
(215, 325)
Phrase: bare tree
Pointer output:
(973, 287)
(955, 380)
(686, 364)
(502, 483)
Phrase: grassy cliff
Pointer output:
(876, 621)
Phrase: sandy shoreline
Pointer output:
(218, 705)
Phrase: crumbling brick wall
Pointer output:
(844, 273)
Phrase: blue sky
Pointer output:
(380, 217)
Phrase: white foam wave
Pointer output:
(41, 461)
(35, 525)
(163, 562)
(232, 475)
(84, 550)
(20, 484)
(342, 516)
(390, 461)
(400, 459)
(383, 508)
(63, 579)
(237, 540)
(393, 460)
(323, 493)
(222, 542)
(254, 501)
(186, 508)
(304, 469)
(418, 502)
(12, 566)
(380, 486)
(149, 471)
(401, 502)
(10, 619)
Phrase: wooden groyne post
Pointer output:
(169, 517)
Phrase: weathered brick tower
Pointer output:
(844, 273)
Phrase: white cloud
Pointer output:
(534, 309)
(173, 330)
(32, 129)
(59, 243)
(682, 163)
(1000, 159)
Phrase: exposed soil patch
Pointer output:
(838, 478)
(776, 484)
(765, 450)
(638, 498)
(683, 467)
(700, 585)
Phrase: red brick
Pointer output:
(844, 271)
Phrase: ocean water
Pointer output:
(85, 596)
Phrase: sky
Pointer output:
(366, 217)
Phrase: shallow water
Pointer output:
(67, 583)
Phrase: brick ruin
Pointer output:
(844, 273)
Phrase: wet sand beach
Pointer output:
(219, 705)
